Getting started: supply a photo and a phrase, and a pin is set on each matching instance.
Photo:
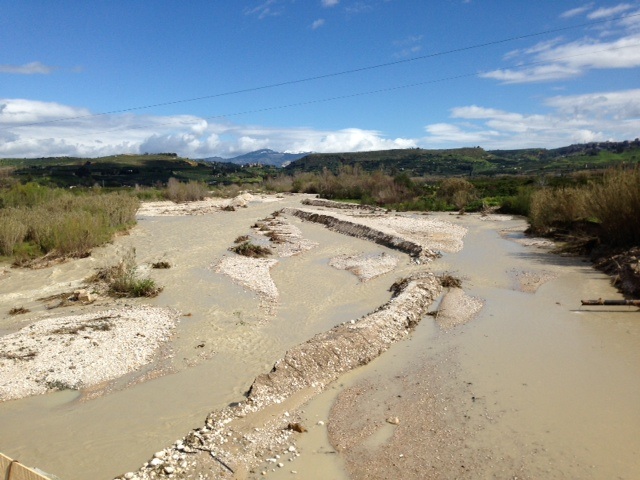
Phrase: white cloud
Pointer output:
(559, 59)
(591, 117)
(30, 129)
(317, 23)
(27, 69)
(574, 12)
(609, 12)
(330, 3)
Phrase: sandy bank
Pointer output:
(80, 351)
(420, 236)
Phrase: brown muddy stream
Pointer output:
(535, 386)
(556, 387)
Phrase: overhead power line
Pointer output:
(350, 95)
(330, 75)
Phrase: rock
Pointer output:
(292, 448)
(156, 462)
(129, 475)
(393, 420)
(169, 470)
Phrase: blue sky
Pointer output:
(222, 78)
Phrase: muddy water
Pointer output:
(225, 342)
(534, 387)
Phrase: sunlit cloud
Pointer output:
(591, 117)
(558, 59)
(317, 23)
(330, 3)
(27, 130)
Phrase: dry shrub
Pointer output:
(615, 203)
(557, 208)
(12, 232)
(186, 192)
(457, 191)
(281, 183)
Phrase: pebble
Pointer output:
(169, 470)
(292, 448)
(156, 461)
(393, 420)
(320, 422)
(280, 465)
(129, 475)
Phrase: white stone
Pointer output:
(292, 448)
(156, 461)
(129, 475)
(169, 470)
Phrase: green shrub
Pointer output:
(123, 281)
(38, 220)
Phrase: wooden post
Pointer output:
(13, 470)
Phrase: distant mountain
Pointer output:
(264, 157)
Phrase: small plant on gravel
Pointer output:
(161, 265)
(449, 281)
(249, 249)
(241, 238)
(123, 281)
(18, 310)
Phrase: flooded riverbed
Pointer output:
(536, 386)
(219, 348)
(533, 387)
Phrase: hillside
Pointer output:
(476, 161)
(129, 170)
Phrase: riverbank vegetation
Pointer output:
(37, 221)
(66, 206)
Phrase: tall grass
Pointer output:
(551, 208)
(36, 220)
(611, 204)
(186, 192)
(615, 202)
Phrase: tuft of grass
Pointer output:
(249, 249)
(18, 311)
(241, 238)
(449, 281)
(122, 279)
(161, 265)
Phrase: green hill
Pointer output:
(476, 161)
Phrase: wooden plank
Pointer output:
(633, 303)
(12, 470)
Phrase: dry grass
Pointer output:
(186, 192)
(36, 221)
